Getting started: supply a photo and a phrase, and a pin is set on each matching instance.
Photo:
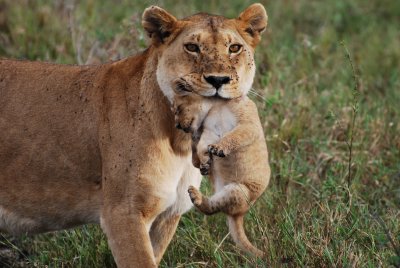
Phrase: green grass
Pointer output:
(309, 216)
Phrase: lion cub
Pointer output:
(230, 130)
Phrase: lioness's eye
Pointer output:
(235, 48)
(192, 48)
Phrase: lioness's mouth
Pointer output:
(217, 96)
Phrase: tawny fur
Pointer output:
(232, 150)
(97, 144)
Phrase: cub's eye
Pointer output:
(192, 48)
(235, 48)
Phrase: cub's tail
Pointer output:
(236, 229)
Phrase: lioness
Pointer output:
(231, 131)
(97, 144)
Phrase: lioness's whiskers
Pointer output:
(252, 91)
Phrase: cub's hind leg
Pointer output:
(232, 199)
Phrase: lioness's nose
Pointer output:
(217, 81)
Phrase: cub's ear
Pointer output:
(253, 21)
(158, 23)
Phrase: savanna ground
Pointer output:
(313, 213)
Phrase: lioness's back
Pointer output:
(48, 137)
(49, 100)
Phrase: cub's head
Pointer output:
(206, 54)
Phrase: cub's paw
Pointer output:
(205, 163)
(185, 124)
(195, 196)
(184, 119)
(204, 168)
(174, 108)
(217, 150)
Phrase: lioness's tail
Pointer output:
(236, 229)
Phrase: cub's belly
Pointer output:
(218, 122)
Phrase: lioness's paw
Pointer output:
(215, 149)
(195, 196)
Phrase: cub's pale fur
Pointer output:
(231, 149)
(82, 144)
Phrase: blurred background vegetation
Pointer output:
(312, 214)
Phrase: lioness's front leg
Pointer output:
(129, 207)
(128, 237)
(163, 228)
(161, 232)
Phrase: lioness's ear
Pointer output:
(158, 23)
(254, 20)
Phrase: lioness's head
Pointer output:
(207, 54)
